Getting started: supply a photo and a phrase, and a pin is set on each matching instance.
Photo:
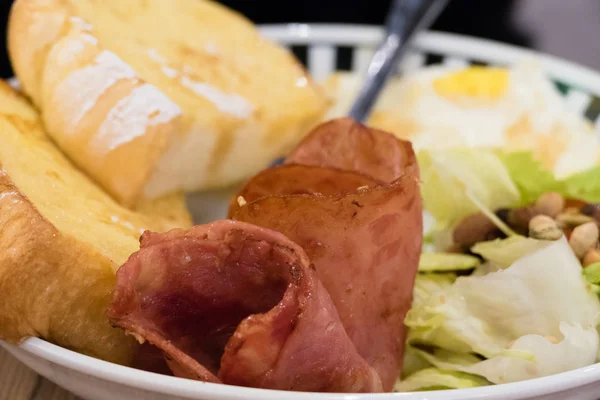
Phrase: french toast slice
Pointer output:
(154, 96)
(62, 239)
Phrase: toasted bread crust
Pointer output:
(61, 240)
(53, 286)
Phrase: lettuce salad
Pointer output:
(515, 308)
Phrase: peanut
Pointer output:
(592, 210)
(473, 229)
(543, 227)
(583, 238)
(572, 219)
(519, 218)
(591, 257)
(550, 204)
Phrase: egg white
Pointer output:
(530, 114)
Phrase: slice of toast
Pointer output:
(61, 240)
(152, 96)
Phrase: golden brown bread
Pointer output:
(62, 239)
(154, 96)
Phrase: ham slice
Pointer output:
(359, 221)
(235, 303)
(350, 146)
(305, 288)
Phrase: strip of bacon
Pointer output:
(365, 243)
(234, 303)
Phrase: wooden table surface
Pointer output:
(18, 382)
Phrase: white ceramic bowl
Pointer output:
(93, 379)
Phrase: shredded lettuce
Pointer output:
(412, 362)
(442, 358)
(440, 262)
(504, 252)
(534, 318)
(452, 178)
(529, 175)
(528, 310)
(428, 285)
(495, 179)
(583, 186)
(530, 356)
(533, 179)
(592, 273)
(438, 379)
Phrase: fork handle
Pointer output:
(405, 18)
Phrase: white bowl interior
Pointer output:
(98, 380)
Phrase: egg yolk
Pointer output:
(475, 82)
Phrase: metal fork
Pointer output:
(405, 18)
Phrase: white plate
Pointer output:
(99, 380)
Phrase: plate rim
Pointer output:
(171, 385)
(582, 77)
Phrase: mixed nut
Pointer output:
(548, 218)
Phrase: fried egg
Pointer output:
(516, 108)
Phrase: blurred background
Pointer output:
(565, 28)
